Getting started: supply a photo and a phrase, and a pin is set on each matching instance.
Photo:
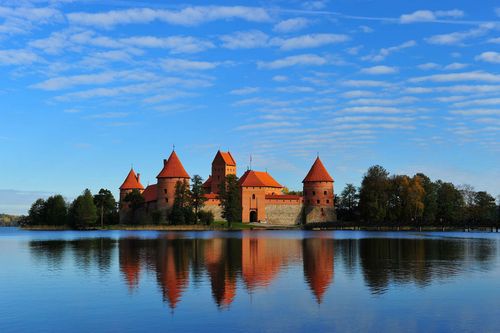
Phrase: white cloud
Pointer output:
(429, 16)
(18, 57)
(374, 109)
(280, 78)
(455, 66)
(267, 125)
(477, 112)
(428, 66)
(245, 91)
(382, 101)
(291, 25)
(494, 40)
(189, 16)
(357, 93)
(385, 52)
(490, 56)
(245, 40)
(180, 65)
(66, 82)
(457, 38)
(296, 60)
(470, 89)
(454, 77)
(379, 70)
(294, 89)
(20, 20)
(479, 102)
(365, 29)
(309, 41)
(365, 83)
(177, 44)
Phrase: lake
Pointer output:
(265, 281)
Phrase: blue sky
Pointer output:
(88, 89)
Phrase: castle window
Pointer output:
(317, 201)
(165, 190)
(327, 201)
(253, 196)
(322, 212)
(325, 193)
(166, 199)
(314, 192)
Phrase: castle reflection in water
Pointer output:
(227, 263)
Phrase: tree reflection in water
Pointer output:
(257, 261)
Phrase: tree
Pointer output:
(450, 203)
(197, 194)
(347, 203)
(468, 194)
(484, 208)
(83, 212)
(373, 195)
(182, 212)
(36, 215)
(230, 199)
(415, 199)
(430, 198)
(106, 204)
(135, 200)
(56, 210)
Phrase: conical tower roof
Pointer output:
(318, 173)
(172, 168)
(132, 182)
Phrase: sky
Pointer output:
(88, 89)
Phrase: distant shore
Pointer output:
(240, 226)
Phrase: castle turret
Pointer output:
(132, 182)
(222, 165)
(172, 172)
(318, 194)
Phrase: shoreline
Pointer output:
(240, 227)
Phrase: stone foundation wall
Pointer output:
(319, 214)
(216, 210)
(284, 214)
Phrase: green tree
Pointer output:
(450, 203)
(347, 203)
(106, 205)
(36, 215)
(230, 199)
(134, 200)
(56, 210)
(83, 212)
(430, 198)
(484, 208)
(373, 195)
(182, 212)
(197, 194)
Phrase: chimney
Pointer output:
(164, 162)
(139, 177)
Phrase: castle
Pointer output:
(262, 197)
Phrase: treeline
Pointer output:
(390, 200)
(7, 220)
(188, 204)
(86, 211)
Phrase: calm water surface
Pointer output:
(249, 281)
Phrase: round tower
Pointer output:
(172, 172)
(318, 194)
(132, 182)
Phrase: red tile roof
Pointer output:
(227, 157)
(283, 196)
(258, 179)
(150, 193)
(172, 168)
(318, 173)
(211, 196)
(132, 182)
(208, 182)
